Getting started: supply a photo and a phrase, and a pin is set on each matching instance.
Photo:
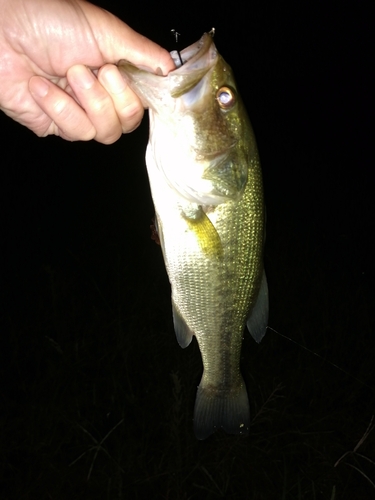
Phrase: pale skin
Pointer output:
(57, 69)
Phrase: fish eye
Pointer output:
(226, 97)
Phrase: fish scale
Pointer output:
(206, 184)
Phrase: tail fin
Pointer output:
(217, 408)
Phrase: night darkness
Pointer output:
(96, 395)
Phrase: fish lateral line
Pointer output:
(213, 256)
(324, 359)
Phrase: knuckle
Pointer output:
(99, 105)
(109, 139)
(132, 112)
(71, 121)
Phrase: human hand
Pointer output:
(46, 50)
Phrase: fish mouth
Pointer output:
(197, 60)
(189, 55)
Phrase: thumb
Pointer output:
(116, 40)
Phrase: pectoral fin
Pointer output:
(183, 332)
(205, 232)
(258, 319)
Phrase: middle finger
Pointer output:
(97, 103)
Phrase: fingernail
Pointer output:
(81, 76)
(116, 84)
(38, 86)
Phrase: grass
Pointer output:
(98, 398)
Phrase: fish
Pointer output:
(206, 183)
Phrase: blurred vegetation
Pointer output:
(98, 397)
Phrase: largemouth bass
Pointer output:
(206, 184)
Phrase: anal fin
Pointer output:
(258, 319)
(183, 333)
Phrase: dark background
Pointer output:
(96, 396)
